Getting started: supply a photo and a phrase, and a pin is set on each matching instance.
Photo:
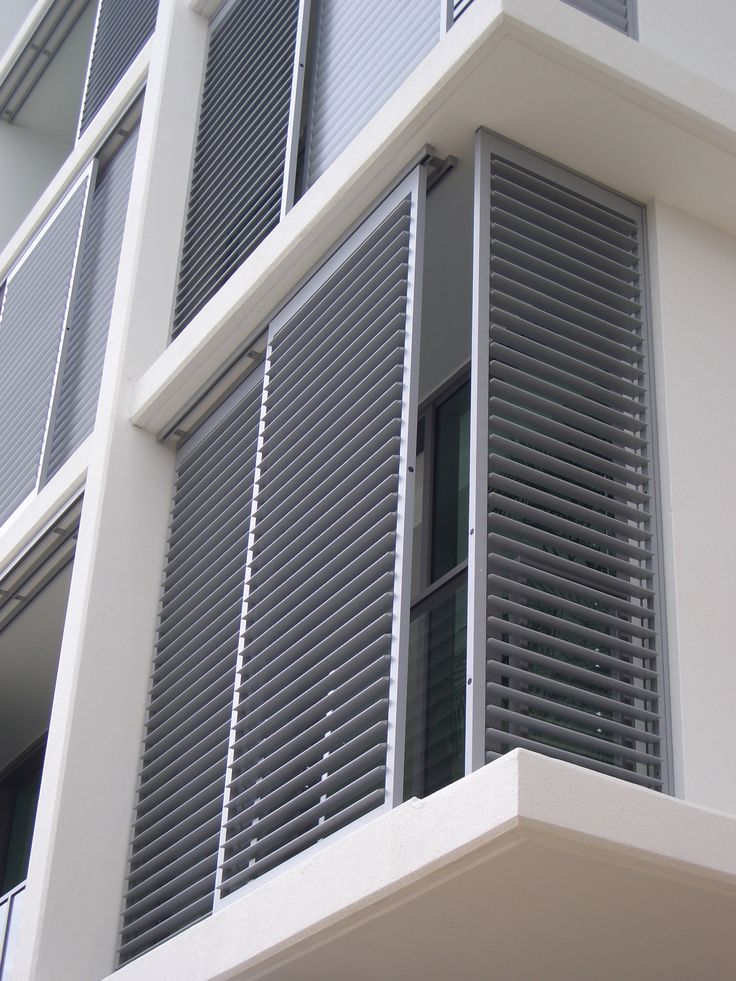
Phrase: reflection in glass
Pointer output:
(435, 725)
(450, 488)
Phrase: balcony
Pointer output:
(11, 905)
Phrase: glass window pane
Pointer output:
(435, 728)
(451, 476)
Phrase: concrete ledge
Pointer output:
(614, 866)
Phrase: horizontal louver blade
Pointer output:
(89, 318)
(312, 710)
(31, 323)
(364, 51)
(573, 659)
(173, 865)
(237, 179)
(123, 27)
(615, 13)
(459, 7)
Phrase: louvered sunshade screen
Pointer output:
(238, 176)
(616, 13)
(364, 50)
(91, 308)
(173, 863)
(571, 592)
(123, 27)
(322, 629)
(459, 7)
(32, 320)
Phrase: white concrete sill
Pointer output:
(435, 887)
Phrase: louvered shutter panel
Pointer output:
(459, 7)
(570, 598)
(326, 591)
(616, 13)
(91, 308)
(173, 862)
(122, 29)
(364, 51)
(238, 175)
(32, 320)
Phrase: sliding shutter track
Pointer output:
(123, 27)
(173, 862)
(32, 321)
(572, 633)
(364, 51)
(238, 176)
(90, 314)
(313, 724)
(615, 13)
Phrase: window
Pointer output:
(19, 787)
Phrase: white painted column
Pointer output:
(693, 275)
(75, 882)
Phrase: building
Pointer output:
(365, 424)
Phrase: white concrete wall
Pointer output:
(694, 287)
(698, 34)
(28, 161)
(14, 12)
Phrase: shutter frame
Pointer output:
(122, 28)
(500, 511)
(73, 210)
(619, 14)
(173, 858)
(230, 880)
(343, 71)
(89, 318)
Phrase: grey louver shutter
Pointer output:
(313, 733)
(569, 604)
(459, 7)
(123, 27)
(34, 312)
(364, 51)
(173, 863)
(616, 13)
(238, 176)
(89, 318)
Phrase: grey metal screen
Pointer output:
(620, 14)
(363, 51)
(313, 733)
(32, 320)
(123, 27)
(570, 600)
(237, 181)
(173, 862)
(89, 318)
(459, 7)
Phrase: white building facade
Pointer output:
(365, 412)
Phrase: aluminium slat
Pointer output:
(316, 662)
(567, 710)
(511, 673)
(89, 316)
(123, 27)
(352, 812)
(227, 217)
(570, 572)
(513, 740)
(501, 650)
(631, 615)
(32, 318)
(364, 49)
(176, 831)
(614, 13)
